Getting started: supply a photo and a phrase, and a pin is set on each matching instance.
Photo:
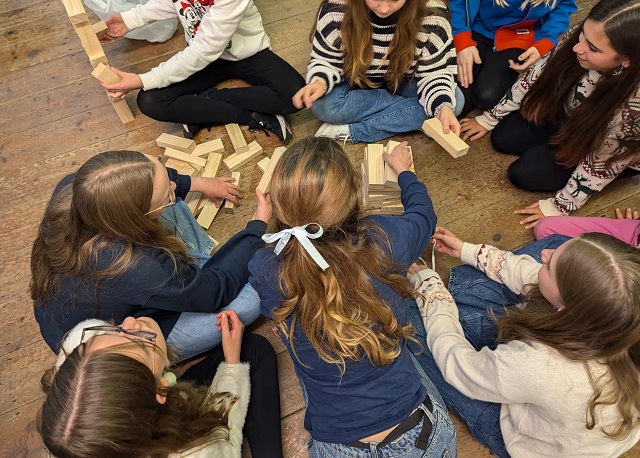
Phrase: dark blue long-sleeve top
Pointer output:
(367, 399)
(151, 287)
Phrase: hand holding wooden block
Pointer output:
(105, 75)
(229, 207)
(100, 29)
(450, 142)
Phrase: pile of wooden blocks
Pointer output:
(380, 190)
(205, 159)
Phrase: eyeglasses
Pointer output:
(172, 201)
(112, 329)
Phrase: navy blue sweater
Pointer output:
(367, 399)
(150, 287)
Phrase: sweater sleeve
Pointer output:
(516, 272)
(183, 182)
(154, 10)
(217, 283)
(214, 32)
(436, 68)
(554, 24)
(327, 54)
(461, 23)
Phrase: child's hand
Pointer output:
(232, 329)
(217, 189)
(472, 129)
(446, 242)
(128, 82)
(310, 93)
(116, 28)
(263, 212)
(449, 121)
(534, 212)
(628, 214)
(399, 159)
(528, 58)
(466, 58)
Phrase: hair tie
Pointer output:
(303, 237)
(170, 378)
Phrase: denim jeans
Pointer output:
(375, 114)
(179, 220)
(194, 332)
(475, 294)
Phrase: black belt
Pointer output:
(407, 425)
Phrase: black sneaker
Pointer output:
(190, 130)
(275, 123)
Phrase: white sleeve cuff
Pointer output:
(548, 209)
(487, 121)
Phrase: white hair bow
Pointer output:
(303, 237)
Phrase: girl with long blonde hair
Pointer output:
(381, 67)
(336, 285)
(539, 351)
(117, 240)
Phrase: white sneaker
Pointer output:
(334, 131)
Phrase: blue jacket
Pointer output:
(150, 287)
(466, 16)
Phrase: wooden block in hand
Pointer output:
(263, 164)
(390, 176)
(209, 209)
(265, 181)
(229, 207)
(450, 142)
(237, 139)
(212, 146)
(237, 160)
(176, 143)
(375, 165)
(100, 28)
(104, 74)
(195, 161)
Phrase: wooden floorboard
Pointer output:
(54, 116)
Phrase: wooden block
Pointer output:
(390, 176)
(215, 242)
(209, 209)
(192, 199)
(375, 165)
(450, 142)
(212, 146)
(195, 161)
(100, 29)
(177, 143)
(365, 182)
(237, 139)
(237, 160)
(263, 164)
(265, 181)
(104, 74)
(208, 213)
(175, 164)
(83, 28)
(122, 110)
(98, 59)
(229, 207)
(212, 165)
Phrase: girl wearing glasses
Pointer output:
(117, 240)
(88, 413)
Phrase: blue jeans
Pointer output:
(475, 294)
(194, 332)
(375, 114)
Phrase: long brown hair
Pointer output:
(357, 38)
(104, 208)
(583, 128)
(598, 279)
(103, 404)
(337, 309)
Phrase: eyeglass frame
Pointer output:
(172, 201)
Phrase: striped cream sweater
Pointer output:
(434, 63)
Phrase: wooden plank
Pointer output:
(230, 207)
(84, 30)
(177, 143)
(100, 29)
(212, 165)
(450, 142)
(185, 157)
(263, 164)
(104, 74)
(235, 161)
(211, 146)
(122, 109)
(375, 166)
(265, 181)
(209, 209)
(237, 139)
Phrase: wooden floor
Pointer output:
(54, 116)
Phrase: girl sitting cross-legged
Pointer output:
(381, 67)
(537, 358)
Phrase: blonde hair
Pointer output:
(104, 208)
(598, 280)
(338, 309)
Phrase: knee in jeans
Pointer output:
(326, 111)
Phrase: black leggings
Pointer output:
(196, 100)
(262, 425)
(492, 77)
(536, 169)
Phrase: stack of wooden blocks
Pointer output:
(205, 159)
(380, 190)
